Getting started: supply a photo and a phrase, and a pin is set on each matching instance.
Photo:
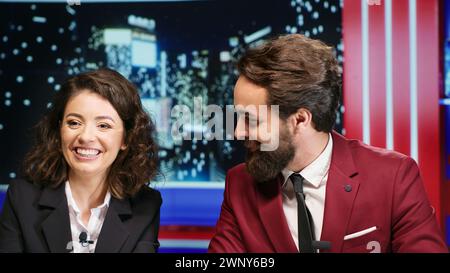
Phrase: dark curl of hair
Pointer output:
(297, 72)
(133, 168)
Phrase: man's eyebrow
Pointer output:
(241, 112)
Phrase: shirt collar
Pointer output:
(317, 170)
(74, 205)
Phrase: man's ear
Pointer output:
(302, 118)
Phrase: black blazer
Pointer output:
(36, 219)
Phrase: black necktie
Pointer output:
(305, 231)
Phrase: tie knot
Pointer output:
(297, 181)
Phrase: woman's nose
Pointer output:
(87, 134)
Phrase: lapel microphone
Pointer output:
(83, 239)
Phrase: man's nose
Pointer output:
(241, 131)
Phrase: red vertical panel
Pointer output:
(377, 77)
(428, 63)
(400, 75)
(351, 22)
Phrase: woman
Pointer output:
(86, 176)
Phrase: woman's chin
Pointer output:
(84, 171)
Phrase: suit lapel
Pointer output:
(114, 233)
(272, 216)
(342, 188)
(56, 227)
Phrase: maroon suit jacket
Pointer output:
(386, 192)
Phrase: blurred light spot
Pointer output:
(39, 19)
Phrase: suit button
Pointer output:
(348, 188)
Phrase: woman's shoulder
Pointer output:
(23, 187)
(147, 196)
(23, 194)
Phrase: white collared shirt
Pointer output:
(94, 226)
(314, 188)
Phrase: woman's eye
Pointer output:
(104, 126)
(72, 123)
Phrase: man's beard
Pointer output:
(266, 165)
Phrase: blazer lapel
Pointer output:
(114, 233)
(270, 209)
(342, 188)
(56, 227)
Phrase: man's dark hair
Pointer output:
(297, 72)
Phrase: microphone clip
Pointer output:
(84, 242)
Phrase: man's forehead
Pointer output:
(255, 111)
(248, 93)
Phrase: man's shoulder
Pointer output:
(238, 169)
(239, 172)
(368, 155)
(238, 178)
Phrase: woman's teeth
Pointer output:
(87, 152)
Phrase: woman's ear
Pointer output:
(124, 145)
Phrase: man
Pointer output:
(318, 191)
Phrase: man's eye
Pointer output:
(253, 122)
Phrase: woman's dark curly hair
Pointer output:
(133, 168)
